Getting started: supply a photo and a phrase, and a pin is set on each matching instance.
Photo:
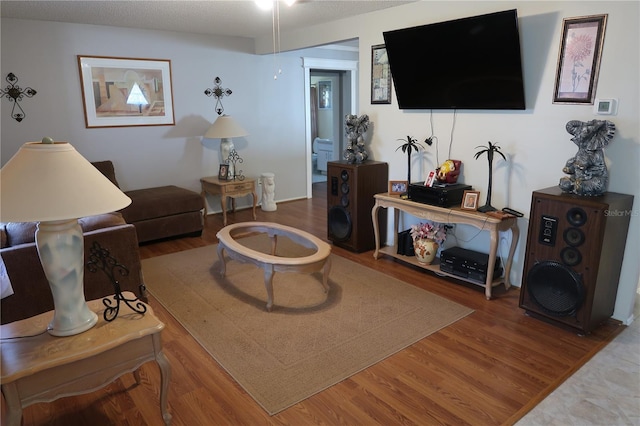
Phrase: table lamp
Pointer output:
(51, 183)
(225, 128)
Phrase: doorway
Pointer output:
(342, 76)
(326, 104)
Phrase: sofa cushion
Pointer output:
(158, 202)
(20, 233)
(3, 236)
(106, 168)
(107, 220)
(16, 233)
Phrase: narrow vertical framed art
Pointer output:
(579, 59)
(380, 75)
(324, 94)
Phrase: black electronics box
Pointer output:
(438, 195)
(468, 264)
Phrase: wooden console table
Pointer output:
(43, 368)
(228, 188)
(447, 215)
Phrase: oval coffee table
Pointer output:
(318, 261)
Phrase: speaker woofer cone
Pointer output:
(574, 237)
(576, 216)
(556, 289)
(570, 256)
(339, 222)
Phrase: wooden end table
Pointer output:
(228, 188)
(44, 368)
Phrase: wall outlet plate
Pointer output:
(605, 107)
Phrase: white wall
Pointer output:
(535, 140)
(43, 56)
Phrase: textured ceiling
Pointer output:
(220, 17)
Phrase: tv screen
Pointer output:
(469, 63)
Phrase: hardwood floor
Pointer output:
(488, 368)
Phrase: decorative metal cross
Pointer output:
(218, 92)
(15, 94)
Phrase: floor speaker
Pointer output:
(350, 191)
(575, 247)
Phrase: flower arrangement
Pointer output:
(430, 231)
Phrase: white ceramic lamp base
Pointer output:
(61, 249)
(226, 146)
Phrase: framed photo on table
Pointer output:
(397, 187)
(470, 200)
(119, 92)
(380, 75)
(579, 59)
(223, 173)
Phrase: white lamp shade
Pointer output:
(225, 127)
(51, 182)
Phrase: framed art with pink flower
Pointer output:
(579, 59)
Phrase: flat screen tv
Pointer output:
(469, 63)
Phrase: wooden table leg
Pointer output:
(204, 201)
(325, 274)
(493, 251)
(14, 407)
(255, 202)
(223, 203)
(268, 283)
(376, 230)
(223, 266)
(515, 235)
(274, 244)
(165, 377)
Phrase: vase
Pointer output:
(425, 250)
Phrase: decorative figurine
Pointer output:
(490, 150)
(449, 171)
(410, 145)
(355, 127)
(268, 203)
(587, 170)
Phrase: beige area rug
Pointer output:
(311, 340)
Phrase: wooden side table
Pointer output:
(482, 221)
(44, 368)
(228, 188)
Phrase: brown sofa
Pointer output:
(32, 294)
(161, 212)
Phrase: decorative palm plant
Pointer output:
(490, 151)
(410, 145)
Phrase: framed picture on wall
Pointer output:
(118, 92)
(324, 94)
(579, 59)
(380, 75)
